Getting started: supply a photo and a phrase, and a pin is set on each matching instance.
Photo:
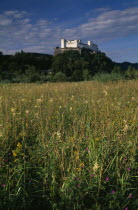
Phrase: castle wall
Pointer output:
(60, 50)
(94, 47)
(72, 44)
(75, 45)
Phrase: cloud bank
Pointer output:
(18, 30)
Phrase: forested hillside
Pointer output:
(69, 66)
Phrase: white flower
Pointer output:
(95, 167)
(125, 128)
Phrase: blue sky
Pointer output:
(38, 25)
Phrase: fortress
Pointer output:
(75, 45)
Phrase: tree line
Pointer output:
(68, 66)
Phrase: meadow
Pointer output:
(69, 146)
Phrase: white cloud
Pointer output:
(4, 21)
(18, 31)
(112, 24)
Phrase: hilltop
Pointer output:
(68, 66)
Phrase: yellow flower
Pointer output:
(14, 153)
(77, 157)
(81, 164)
(76, 152)
(19, 145)
(78, 169)
(13, 110)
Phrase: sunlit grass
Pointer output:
(69, 145)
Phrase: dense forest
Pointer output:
(69, 66)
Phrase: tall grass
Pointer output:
(69, 146)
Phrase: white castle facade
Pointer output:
(78, 44)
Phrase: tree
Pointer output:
(77, 75)
(117, 69)
(131, 73)
(60, 77)
(86, 75)
(32, 74)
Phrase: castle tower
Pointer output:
(63, 43)
(89, 43)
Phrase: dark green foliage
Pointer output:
(124, 66)
(86, 75)
(68, 66)
(72, 63)
(60, 77)
(106, 77)
(18, 67)
(131, 73)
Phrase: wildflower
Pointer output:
(77, 157)
(76, 152)
(39, 100)
(78, 185)
(3, 185)
(19, 145)
(14, 153)
(113, 192)
(130, 196)
(92, 175)
(81, 164)
(30, 180)
(76, 178)
(107, 179)
(13, 110)
(126, 208)
(105, 92)
(6, 160)
(78, 169)
(97, 139)
(95, 167)
(125, 128)
(58, 134)
(87, 149)
(129, 169)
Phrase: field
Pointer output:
(69, 146)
